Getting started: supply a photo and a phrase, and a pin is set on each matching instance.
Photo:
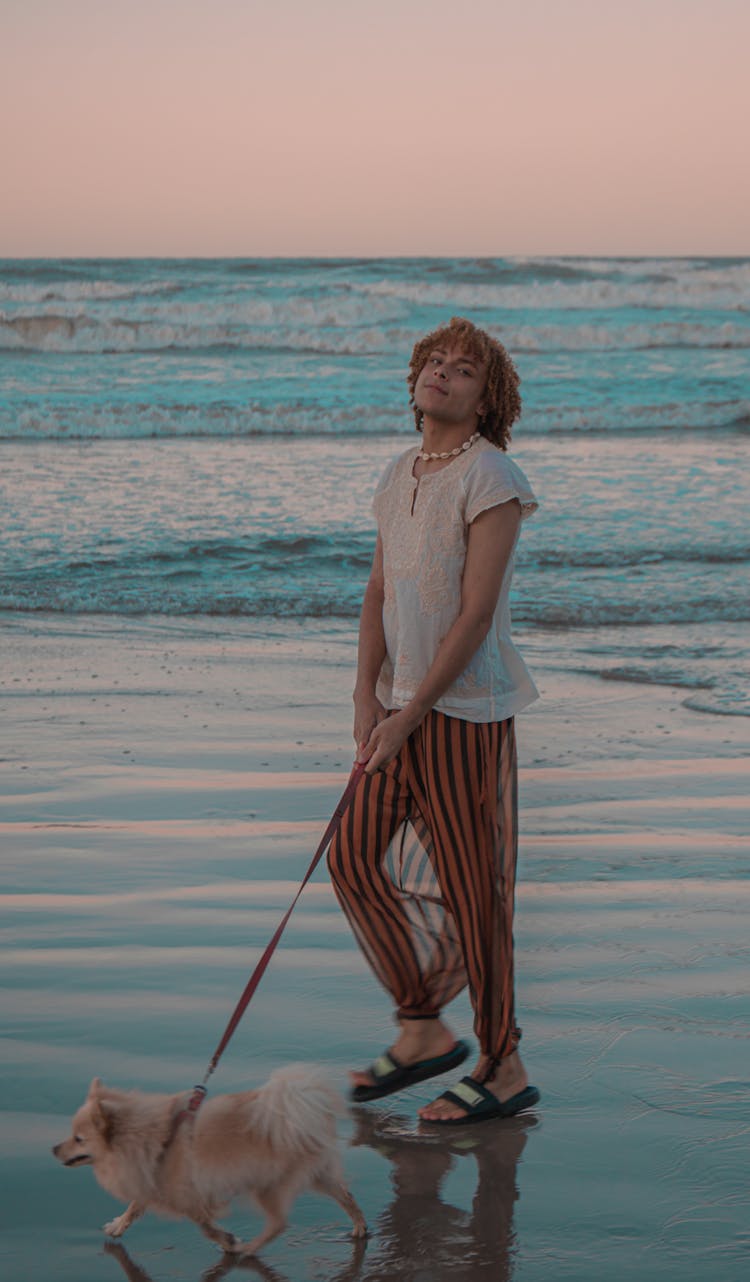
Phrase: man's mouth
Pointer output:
(433, 387)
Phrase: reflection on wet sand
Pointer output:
(229, 1264)
(420, 1235)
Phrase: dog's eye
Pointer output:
(78, 1139)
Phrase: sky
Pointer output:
(385, 127)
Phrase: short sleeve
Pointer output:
(386, 477)
(494, 479)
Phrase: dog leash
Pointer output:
(199, 1092)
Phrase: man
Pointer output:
(424, 862)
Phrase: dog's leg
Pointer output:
(339, 1192)
(275, 1205)
(227, 1241)
(116, 1228)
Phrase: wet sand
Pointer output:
(163, 785)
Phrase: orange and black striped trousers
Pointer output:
(424, 866)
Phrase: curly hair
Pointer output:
(501, 395)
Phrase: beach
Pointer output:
(188, 452)
(164, 783)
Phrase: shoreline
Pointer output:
(161, 792)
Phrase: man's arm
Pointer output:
(489, 546)
(368, 711)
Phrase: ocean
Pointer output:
(201, 437)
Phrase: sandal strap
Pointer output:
(383, 1066)
(468, 1094)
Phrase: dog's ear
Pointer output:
(104, 1113)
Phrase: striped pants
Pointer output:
(424, 866)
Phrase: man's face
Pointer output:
(451, 385)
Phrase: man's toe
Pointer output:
(361, 1078)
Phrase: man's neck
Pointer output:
(439, 437)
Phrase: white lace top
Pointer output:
(423, 525)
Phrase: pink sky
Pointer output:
(339, 127)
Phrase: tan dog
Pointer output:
(269, 1144)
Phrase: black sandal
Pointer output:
(389, 1075)
(480, 1104)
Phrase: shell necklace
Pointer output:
(450, 453)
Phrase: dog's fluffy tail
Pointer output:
(298, 1106)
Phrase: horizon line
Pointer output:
(406, 257)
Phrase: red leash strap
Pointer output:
(260, 969)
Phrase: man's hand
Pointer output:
(385, 741)
(368, 713)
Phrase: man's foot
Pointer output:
(418, 1040)
(509, 1079)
